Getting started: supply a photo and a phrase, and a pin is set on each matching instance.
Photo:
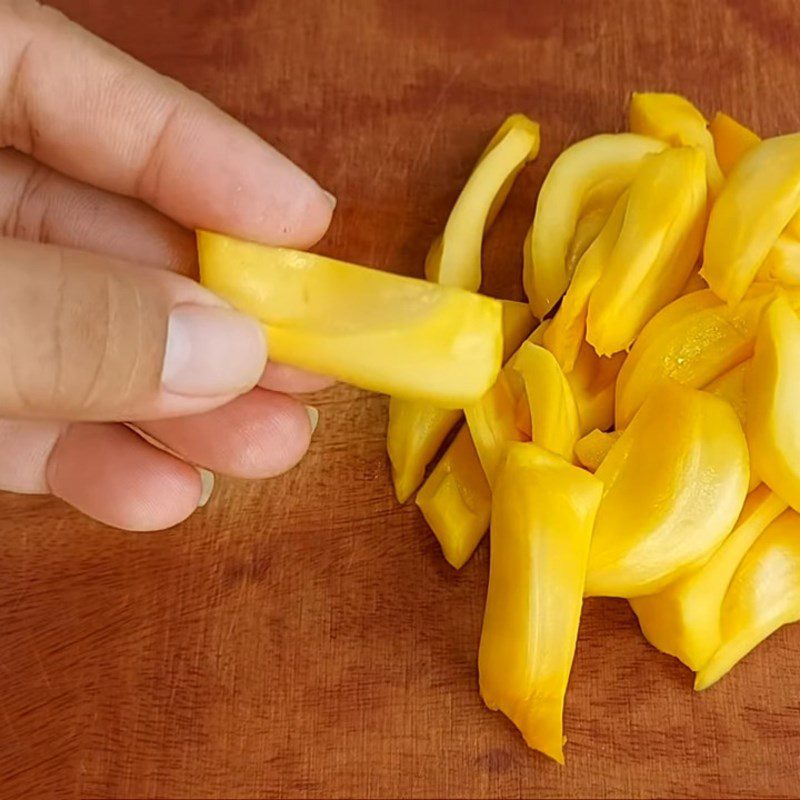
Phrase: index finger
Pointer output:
(85, 108)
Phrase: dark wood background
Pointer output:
(303, 637)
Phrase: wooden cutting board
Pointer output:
(303, 637)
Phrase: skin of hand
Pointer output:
(105, 169)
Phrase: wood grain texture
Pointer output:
(303, 637)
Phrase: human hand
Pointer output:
(100, 322)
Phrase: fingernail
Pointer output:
(313, 417)
(207, 486)
(331, 198)
(212, 351)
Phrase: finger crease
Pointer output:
(148, 180)
(24, 220)
(58, 355)
(126, 392)
(95, 384)
(22, 132)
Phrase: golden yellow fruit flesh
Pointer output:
(674, 484)
(593, 382)
(373, 329)
(456, 500)
(694, 283)
(678, 122)
(567, 329)
(658, 244)
(414, 435)
(554, 416)
(542, 514)
(683, 619)
(758, 200)
(621, 449)
(730, 386)
(731, 141)
(417, 428)
(692, 341)
(586, 231)
(773, 411)
(591, 449)
(782, 263)
(493, 420)
(602, 165)
(455, 258)
(763, 595)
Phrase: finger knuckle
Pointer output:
(87, 340)
(23, 22)
(100, 322)
(31, 359)
(32, 13)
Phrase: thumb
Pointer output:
(84, 337)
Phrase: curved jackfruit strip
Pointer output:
(554, 416)
(693, 341)
(586, 231)
(678, 122)
(567, 329)
(771, 383)
(455, 258)
(512, 122)
(542, 514)
(757, 202)
(601, 166)
(683, 620)
(674, 484)
(732, 141)
(456, 500)
(373, 329)
(764, 595)
(658, 245)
